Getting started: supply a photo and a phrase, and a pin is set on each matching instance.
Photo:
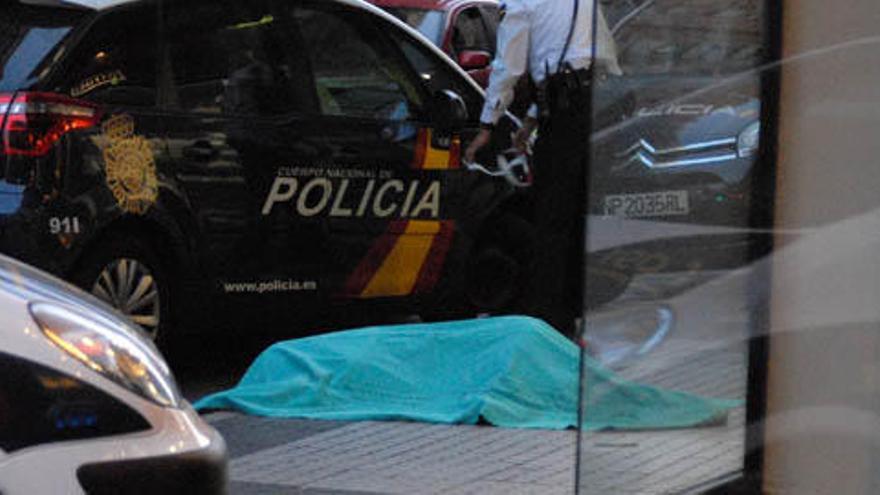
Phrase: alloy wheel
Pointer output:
(129, 286)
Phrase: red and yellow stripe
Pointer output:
(408, 258)
(428, 157)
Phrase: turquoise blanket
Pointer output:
(509, 371)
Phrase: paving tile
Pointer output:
(252, 434)
(372, 457)
(246, 488)
(505, 488)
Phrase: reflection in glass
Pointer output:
(672, 188)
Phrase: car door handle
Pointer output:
(387, 134)
(348, 152)
(200, 150)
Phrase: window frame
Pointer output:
(451, 69)
(169, 91)
(62, 79)
(419, 111)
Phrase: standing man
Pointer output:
(553, 41)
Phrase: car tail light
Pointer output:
(32, 122)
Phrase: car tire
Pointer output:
(494, 278)
(497, 272)
(125, 272)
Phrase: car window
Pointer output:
(469, 32)
(437, 75)
(30, 36)
(115, 62)
(235, 58)
(431, 23)
(357, 71)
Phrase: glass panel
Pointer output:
(28, 37)
(357, 73)
(438, 75)
(673, 195)
(239, 62)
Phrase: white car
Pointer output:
(87, 404)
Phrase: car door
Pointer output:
(383, 188)
(474, 200)
(239, 107)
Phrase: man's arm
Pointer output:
(511, 60)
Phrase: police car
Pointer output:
(86, 402)
(190, 158)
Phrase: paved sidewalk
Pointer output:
(705, 354)
(409, 458)
(322, 457)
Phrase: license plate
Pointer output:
(657, 204)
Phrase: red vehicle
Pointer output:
(464, 29)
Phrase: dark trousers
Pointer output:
(560, 186)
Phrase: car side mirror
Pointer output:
(449, 113)
(474, 59)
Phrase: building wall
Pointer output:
(823, 433)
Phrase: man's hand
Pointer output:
(523, 134)
(481, 140)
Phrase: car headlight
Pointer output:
(109, 348)
(748, 140)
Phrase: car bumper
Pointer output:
(180, 454)
(201, 471)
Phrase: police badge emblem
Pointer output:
(129, 164)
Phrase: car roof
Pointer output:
(360, 4)
(416, 4)
(89, 4)
(443, 5)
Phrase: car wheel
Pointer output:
(126, 273)
(494, 280)
(497, 272)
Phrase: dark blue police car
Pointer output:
(187, 158)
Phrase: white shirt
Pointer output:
(531, 37)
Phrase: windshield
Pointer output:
(428, 22)
(28, 38)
